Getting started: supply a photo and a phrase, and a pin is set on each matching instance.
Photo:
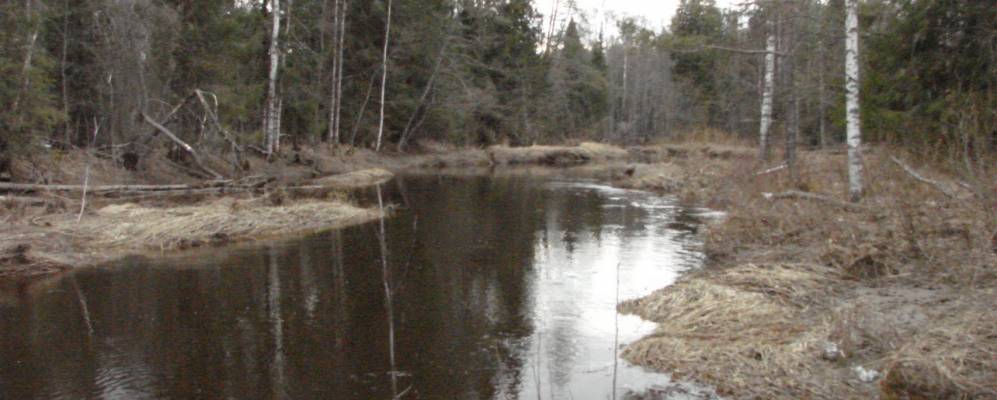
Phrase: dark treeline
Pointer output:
(478, 72)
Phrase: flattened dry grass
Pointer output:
(749, 330)
(557, 156)
(135, 227)
(904, 285)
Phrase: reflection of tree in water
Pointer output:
(463, 299)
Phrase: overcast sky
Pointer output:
(657, 13)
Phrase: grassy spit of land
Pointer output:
(303, 191)
(814, 299)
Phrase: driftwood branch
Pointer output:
(186, 147)
(939, 186)
(795, 194)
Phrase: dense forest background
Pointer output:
(480, 72)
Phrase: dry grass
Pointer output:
(888, 284)
(134, 227)
(557, 156)
(355, 179)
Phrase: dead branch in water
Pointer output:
(795, 194)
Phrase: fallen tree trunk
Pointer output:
(250, 182)
(939, 186)
(186, 147)
(795, 194)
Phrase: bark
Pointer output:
(186, 147)
(384, 76)
(341, 46)
(852, 109)
(271, 113)
(363, 108)
(794, 194)
(29, 54)
(422, 99)
(768, 92)
(939, 186)
(236, 149)
(62, 72)
(331, 134)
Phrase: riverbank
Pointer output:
(810, 297)
(161, 206)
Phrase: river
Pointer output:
(499, 287)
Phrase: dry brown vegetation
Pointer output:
(903, 285)
(301, 191)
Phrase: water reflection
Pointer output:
(481, 288)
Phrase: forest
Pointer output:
(258, 74)
(765, 199)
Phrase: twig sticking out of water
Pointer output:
(616, 328)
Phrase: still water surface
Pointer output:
(500, 288)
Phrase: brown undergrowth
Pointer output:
(799, 294)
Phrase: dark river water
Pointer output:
(500, 288)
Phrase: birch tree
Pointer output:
(340, 8)
(271, 109)
(852, 110)
(384, 76)
(768, 92)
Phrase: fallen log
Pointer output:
(186, 147)
(920, 178)
(795, 194)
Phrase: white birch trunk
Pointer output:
(336, 93)
(852, 108)
(339, 69)
(768, 92)
(384, 76)
(330, 135)
(271, 113)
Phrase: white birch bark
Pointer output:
(852, 108)
(339, 70)
(330, 135)
(271, 113)
(384, 76)
(768, 92)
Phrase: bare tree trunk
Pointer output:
(403, 141)
(341, 46)
(271, 110)
(384, 76)
(331, 134)
(852, 108)
(768, 92)
(62, 72)
(363, 108)
(29, 54)
(623, 98)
